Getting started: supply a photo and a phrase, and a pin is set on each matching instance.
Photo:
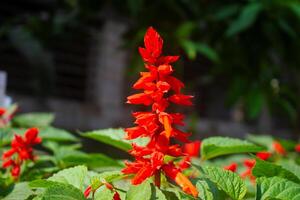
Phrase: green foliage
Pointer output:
(20, 191)
(226, 180)
(217, 146)
(114, 137)
(267, 169)
(74, 176)
(33, 120)
(277, 188)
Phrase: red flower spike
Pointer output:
(160, 88)
(278, 148)
(22, 147)
(232, 167)
(117, 196)
(297, 148)
(264, 155)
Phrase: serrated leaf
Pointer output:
(21, 191)
(114, 137)
(217, 146)
(62, 191)
(277, 188)
(231, 183)
(74, 176)
(267, 169)
(291, 166)
(33, 120)
(208, 190)
(138, 192)
(246, 18)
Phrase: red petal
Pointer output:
(8, 153)
(163, 86)
(15, 171)
(192, 149)
(8, 163)
(117, 196)
(142, 175)
(87, 191)
(170, 170)
(153, 42)
(165, 69)
(30, 135)
(181, 99)
(167, 60)
(140, 98)
(147, 57)
(249, 163)
(175, 151)
(180, 135)
(297, 148)
(135, 132)
(2, 111)
(278, 148)
(175, 83)
(264, 155)
(232, 167)
(177, 118)
(160, 106)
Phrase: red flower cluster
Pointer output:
(21, 150)
(160, 89)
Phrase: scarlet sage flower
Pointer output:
(21, 150)
(232, 167)
(278, 148)
(5, 117)
(159, 89)
(297, 148)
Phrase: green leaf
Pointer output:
(91, 160)
(217, 146)
(295, 8)
(97, 180)
(231, 183)
(246, 18)
(62, 191)
(114, 137)
(74, 176)
(226, 11)
(291, 166)
(263, 140)
(56, 134)
(206, 190)
(103, 194)
(139, 192)
(33, 120)
(277, 188)
(21, 191)
(267, 169)
(191, 48)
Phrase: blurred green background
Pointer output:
(240, 58)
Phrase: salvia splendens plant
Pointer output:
(159, 89)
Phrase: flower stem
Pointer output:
(157, 179)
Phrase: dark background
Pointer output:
(78, 59)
